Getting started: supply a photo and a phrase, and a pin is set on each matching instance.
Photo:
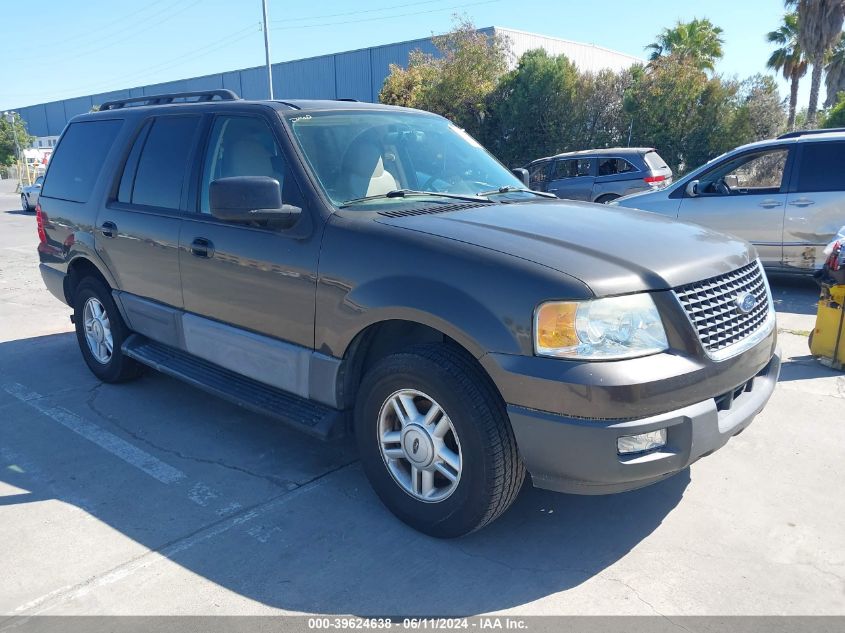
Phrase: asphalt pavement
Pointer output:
(152, 497)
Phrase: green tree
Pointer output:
(834, 73)
(788, 59)
(7, 138)
(457, 83)
(531, 113)
(757, 113)
(819, 29)
(836, 117)
(679, 110)
(697, 42)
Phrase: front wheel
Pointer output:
(25, 203)
(435, 441)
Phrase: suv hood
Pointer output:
(613, 250)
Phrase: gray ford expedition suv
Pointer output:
(348, 267)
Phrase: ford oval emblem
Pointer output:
(745, 302)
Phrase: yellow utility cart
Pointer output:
(827, 342)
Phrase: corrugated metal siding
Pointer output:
(36, 120)
(209, 82)
(587, 57)
(56, 117)
(232, 81)
(383, 56)
(254, 83)
(354, 74)
(305, 79)
(80, 105)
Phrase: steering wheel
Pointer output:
(428, 185)
(722, 188)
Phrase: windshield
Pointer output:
(359, 154)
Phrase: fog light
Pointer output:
(629, 444)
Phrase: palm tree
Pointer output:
(819, 29)
(834, 73)
(698, 42)
(788, 59)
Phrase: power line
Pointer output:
(337, 15)
(221, 43)
(122, 18)
(386, 17)
(114, 37)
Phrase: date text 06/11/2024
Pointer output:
(431, 624)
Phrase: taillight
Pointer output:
(652, 180)
(39, 221)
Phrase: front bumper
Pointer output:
(578, 455)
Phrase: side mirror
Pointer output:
(692, 189)
(251, 199)
(522, 174)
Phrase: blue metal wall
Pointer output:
(352, 75)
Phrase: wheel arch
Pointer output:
(78, 269)
(382, 338)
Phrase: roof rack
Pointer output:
(198, 96)
(798, 133)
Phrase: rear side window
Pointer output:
(613, 166)
(821, 167)
(162, 160)
(571, 168)
(653, 160)
(77, 161)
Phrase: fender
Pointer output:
(429, 302)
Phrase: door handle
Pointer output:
(769, 204)
(802, 202)
(108, 228)
(202, 247)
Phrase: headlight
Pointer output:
(599, 329)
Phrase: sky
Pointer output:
(57, 49)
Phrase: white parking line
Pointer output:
(154, 467)
(65, 594)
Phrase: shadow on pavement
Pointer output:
(805, 368)
(797, 294)
(327, 546)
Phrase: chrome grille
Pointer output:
(712, 308)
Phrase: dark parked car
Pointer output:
(350, 267)
(600, 175)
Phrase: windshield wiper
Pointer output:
(405, 193)
(510, 189)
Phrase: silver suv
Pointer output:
(600, 175)
(786, 196)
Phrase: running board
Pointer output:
(315, 419)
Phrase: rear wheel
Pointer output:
(435, 441)
(25, 203)
(606, 198)
(100, 332)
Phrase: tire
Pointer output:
(25, 203)
(114, 366)
(606, 198)
(490, 471)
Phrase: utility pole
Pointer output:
(267, 49)
(10, 117)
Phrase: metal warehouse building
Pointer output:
(353, 74)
